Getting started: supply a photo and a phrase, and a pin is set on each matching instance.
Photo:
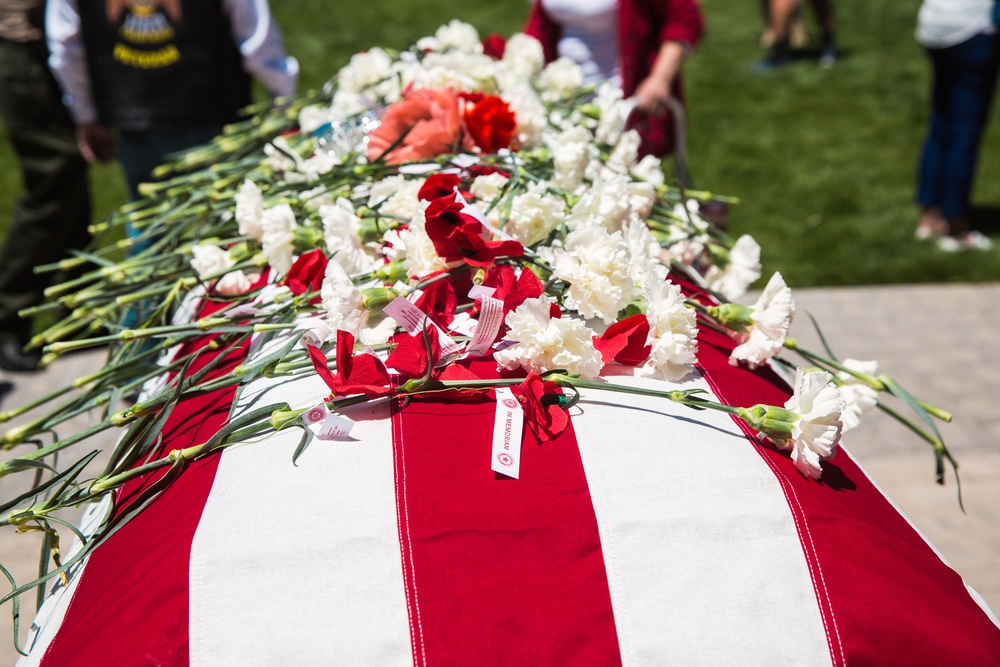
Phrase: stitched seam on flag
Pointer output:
(811, 559)
(406, 545)
(801, 527)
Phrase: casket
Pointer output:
(644, 534)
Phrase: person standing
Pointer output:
(146, 78)
(51, 216)
(782, 16)
(961, 39)
(640, 44)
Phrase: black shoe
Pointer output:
(14, 358)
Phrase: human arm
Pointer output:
(259, 40)
(652, 93)
(677, 26)
(68, 62)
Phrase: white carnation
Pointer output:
(650, 170)
(364, 70)
(421, 257)
(858, 397)
(626, 152)
(250, 210)
(208, 259)
(341, 229)
(816, 432)
(673, 331)
(614, 113)
(524, 56)
(560, 78)
(457, 35)
(571, 150)
(279, 225)
(542, 343)
(772, 316)
(211, 260)
(743, 267)
(488, 186)
(529, 112)
(607, 203)
(534, 214)
(595, 265)
(345, 308)
(396, 196)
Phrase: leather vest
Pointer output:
(156, 63)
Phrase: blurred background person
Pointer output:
(782, 16)
(51, 216)
(164, 75)
(961, 39)
(638, 44)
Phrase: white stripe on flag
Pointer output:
(320, 575)
(701, 550)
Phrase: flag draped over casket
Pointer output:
(644, 534)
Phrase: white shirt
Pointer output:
(944, 23)
(254, 33)
(590, 35)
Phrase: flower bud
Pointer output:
(733, 316)
(377, 298)
(392, 272)
(771, 420)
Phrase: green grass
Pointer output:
(824, 161)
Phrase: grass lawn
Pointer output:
(823, 160)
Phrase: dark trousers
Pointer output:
(51, 216)
(965, 77)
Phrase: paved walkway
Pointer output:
(938, 341)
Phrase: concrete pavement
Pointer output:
(938, 341)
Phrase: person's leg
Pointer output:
(974, 67)
(930, 177)
(140, 152)
(827, 29)
(782, 13)
(51, 216)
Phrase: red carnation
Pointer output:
(459, 236)
(306, 274)
(491, 123)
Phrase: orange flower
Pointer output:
(431, 121)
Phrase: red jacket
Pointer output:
(643, 25)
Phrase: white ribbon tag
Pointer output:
(508, 426)
(478, 291)
(473, 211)
(490, 321)
(326, 425)
(463, 325)
(412, 320)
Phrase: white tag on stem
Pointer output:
(508, 426)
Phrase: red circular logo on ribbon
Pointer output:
(510, 403)
(505, 459)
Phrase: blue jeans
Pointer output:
(141, 151)
(965, 77)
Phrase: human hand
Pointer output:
(96, 142)
(652, 95)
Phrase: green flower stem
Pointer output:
(682, 397)
(6, 467)
(880, 383)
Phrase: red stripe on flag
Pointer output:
(131, 604)
(497, 570)
(883, 593)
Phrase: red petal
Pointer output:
(322, 367)
(625, 341)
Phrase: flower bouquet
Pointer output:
(470, 250)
